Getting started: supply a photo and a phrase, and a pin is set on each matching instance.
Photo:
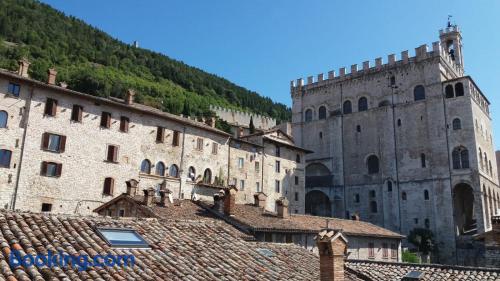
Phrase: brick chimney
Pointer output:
(260, 199)
(165, 197)
(283, 207)
(129, 97)
(219, 201)
(51, 80)
(355, 217)
(229, 201)
(131, 187)
(149, 197)
(495, 223)
(332, 248)
(24, 65)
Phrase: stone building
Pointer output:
(240, 121)
(64, 151)
(405, 144)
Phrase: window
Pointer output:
(427, 223)
(373, 165)
(124, 124)
(5, 156)
(389, 186)
(456, 124)
(393, 80)
(76, 113)
(46, 207)
(480, 158)
(356, 198)
(109, 185)
(415, 220)
(459, 89)
(399, 122)
(278, 151)
(426, 194)
(14, 89)
(371, 250)
(199, 144)
(322, 112)
(385, 251)
(296, 180)
(297, 158)
(277, 186)
(112, 155)
(296, 196)
(362, 104)
(347, 107)
(51, 169)
(373, 194)
(242, 185)
(358, 128)
(241, 162)
(160, 169)
(448, 90)
(122, 238)
(215, 148)
(460, 158)
(277, 166)
(320, 135)
(121, 213)
(403, 196)
(373, 207)
(105, 120)
(309, 115)
(419, 93)
(175, 138)
(257, 186)
(192, 173)
(491, 171)
(3, 119)
(422, 160)
(50, 107)
(257, 166)
(268, 237)
(160, 134)
(394, 251)
(53, 142)
(174, 171)
(146, 166)
(207, 176)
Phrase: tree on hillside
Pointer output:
(252, 127)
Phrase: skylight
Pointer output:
(266, 252)
(122, 238)
(413, 275)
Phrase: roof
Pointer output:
(261, 221)
(134, 106)
(283, 143)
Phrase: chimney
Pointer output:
(229, 201)
(355, 217)
(332, 248)
(131, 187)
(240, 132)
(51, 80)
(165, 197)
(63, 85)
(129, 97)
(260, 199)
(283, 207)
(149, 197)
(495, 223)
(210, 122)
(24, 65)
(219, 201)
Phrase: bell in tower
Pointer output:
(451, 39)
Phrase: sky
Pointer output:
(262, 45)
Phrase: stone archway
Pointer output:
(463, 209)
(318, 204)
(318, 175)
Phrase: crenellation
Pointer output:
(300, 82)
(354, 69)
(436, 47)
(421, 51)
(391, 59)
(378, 63)
(310, 80)
(404, 56)
(320, 77)
(366, 65)
(342, 71)
(331, 74)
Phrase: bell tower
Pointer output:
(451, 40)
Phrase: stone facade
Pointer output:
(399, 143)
(190, 159)
(240, 121)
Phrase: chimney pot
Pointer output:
(51, 80)
(132, 187)
(355, 217)
(229, 201)
(24, 65)
(283, 207)
(165, 197)
(149, 197)
(240, 132)
(129, 97)
(332, 248)
(260, 199)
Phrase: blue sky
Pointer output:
(263, 44)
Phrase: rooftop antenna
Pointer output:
(449, 22)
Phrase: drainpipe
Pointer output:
(182, 160)
(27, 112)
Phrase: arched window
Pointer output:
(373, 165)
(322, 112)
(207, 176)
(419, 93)
(426, 194)
(309, 115)
(5, 156)
(347, 107)
(192, 173)
(389, 186)
(491, 171)
(3, 119)
(146, 166)
(422, 160)
(456, 124)
(449, 92)
(297, 158)
(459, 89)
(480, 158)
(460, 158)
(373, 206)
(173, 171)
(362, 104)
(356, 198)
(160, 169)
(486, 162)
(403, 196)
(358, 128)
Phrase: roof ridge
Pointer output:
(433, 265)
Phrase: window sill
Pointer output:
(10, 95)
(111, 162)
(75, 121)
(5, 167)
(104, 128)
(49, 176)
(52, 151)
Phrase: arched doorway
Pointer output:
(318, 175)
(318, 204)
(463, 209)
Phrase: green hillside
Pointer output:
(93, 62)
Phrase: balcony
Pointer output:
(319, 181)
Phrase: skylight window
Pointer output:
(266, 252)
(413, 275)
(122, 238)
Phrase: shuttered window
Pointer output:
(106, 120)
(385, 251)
(53, 142)
(51, 169)
(175, 139)
(109, 185)
(371, 250)
(199, 144)
(124, 123)
(50, 107)
(112, 155)
(76, 113)
(160, 134)
(215, 148)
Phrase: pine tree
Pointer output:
(252, 127)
